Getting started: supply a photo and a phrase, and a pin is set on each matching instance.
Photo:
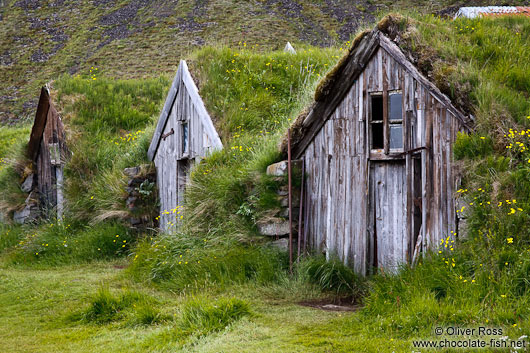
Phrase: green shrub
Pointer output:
(106, 307)
(189, 263)
(9, 236)
(61, 242)
(201, 317)
(331, 275)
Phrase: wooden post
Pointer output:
(300, 212)
(290, 201)
(60, 198)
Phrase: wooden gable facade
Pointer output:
(48, 151)
(184, 135)
(377, 152)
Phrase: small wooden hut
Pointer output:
(184, 135)
(377, 153)
(48, 151)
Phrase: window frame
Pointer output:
(396, 122)
(386, 151)
(372, 122)
(185, 138)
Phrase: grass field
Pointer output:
(41, 309)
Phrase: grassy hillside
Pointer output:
(40, 40)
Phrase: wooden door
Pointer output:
(389, 211)
(183, 167)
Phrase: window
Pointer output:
(55, 154)
(377, 122)
(185, 145)
(396, 121)
(390, 125)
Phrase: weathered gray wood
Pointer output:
(348, 74)
(343, 198)
(183, 107)
(161, 124)
(47, 149)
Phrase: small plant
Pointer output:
(106, 307)
(146, 188)
(201, 317)
(331, 275)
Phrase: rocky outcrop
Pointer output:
(277, 224)
(31, 210)
(141, 195)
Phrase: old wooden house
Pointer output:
(48, 151)
(377, 153)
(184, 135)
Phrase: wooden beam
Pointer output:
(196, 100)
(162, 120)
(386, 127)
(348, 74)
(41, 116)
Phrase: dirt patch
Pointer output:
(333, 304)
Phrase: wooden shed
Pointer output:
(184, 135)
(48, 151)
(377, 152)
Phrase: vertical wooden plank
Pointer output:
(380, 70)
(385, 109)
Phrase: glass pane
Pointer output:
(395, 107)
(396, 136)
(185, 137)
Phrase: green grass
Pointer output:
(189, 264)
(110, 123)
(200, 318)
(42, 311)
(63, 243)
(331, 276)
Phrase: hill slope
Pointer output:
(139, 38)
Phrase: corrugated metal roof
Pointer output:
(478, 11)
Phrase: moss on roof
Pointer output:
(403, 32)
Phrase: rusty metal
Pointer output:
(290, 200)
(164, 136)
(300, 212)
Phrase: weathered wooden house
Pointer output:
(377, 152)
(48, 151)
(184, 135)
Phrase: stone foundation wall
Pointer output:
(276, 225)
(141, 195)
(31, 211)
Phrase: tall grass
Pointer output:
(191, 263)
(61, 243)
(252, 98)
(14, 167)
(200, 317)
(110, 123)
